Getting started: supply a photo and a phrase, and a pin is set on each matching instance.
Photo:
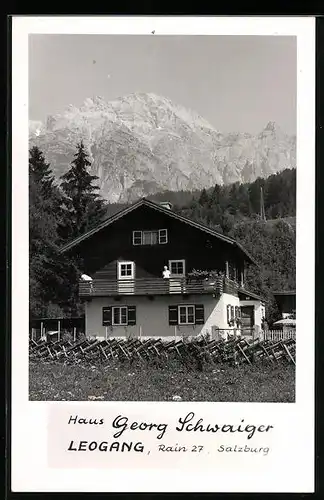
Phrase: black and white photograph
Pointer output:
(163, 175)
(162, 218)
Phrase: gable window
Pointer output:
(186, 314)
(152, 237)
(119, 316)
(126, 270)
(177, 268)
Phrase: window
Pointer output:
(163, 236)
(152, 237)
(119, 315)
(177, 267)
(187, 314)
(126, 270)
(232, 313)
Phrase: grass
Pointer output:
(123, 382)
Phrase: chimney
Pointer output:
(166, 204)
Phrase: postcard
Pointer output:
(163, 180)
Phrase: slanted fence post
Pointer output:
(140, 333)
(74, 334)
(106, 333)
(58, 330)
(41, 329)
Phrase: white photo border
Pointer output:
(29, 418)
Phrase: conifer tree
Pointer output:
(204, 198)
(44, 199)
(82, 207)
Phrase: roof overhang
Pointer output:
(251, 295)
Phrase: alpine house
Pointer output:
(149, 272)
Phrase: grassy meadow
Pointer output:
(54, 381)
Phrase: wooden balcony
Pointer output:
(149, 286)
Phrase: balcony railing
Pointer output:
(149, 286)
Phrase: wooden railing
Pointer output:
(149, 286)
(230, 286)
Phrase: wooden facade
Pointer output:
(102, 250)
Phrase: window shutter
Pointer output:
(137, 237)
(232, 312)
(237, 312)
(132, 315)
(173, 315)
(163, 236)
(228, 310)
(106, 316)
(199, 314)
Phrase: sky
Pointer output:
(237, 83)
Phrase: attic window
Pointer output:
(152, 237)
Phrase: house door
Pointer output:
(126, 277)
(177, 274)
(247, 319)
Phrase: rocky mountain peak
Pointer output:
(142, 143)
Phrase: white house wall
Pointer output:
(152, 316)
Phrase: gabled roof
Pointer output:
(159, 208)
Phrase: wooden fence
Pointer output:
(200, 351)
(56, 328)
(277, 335)
(77, 332)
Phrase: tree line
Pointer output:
(61, 210)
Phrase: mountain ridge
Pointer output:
(142, 143)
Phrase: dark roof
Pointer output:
(288, 292)
(159, 208)
(243, 291)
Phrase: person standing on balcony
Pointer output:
(85, 277)
(166, 272)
